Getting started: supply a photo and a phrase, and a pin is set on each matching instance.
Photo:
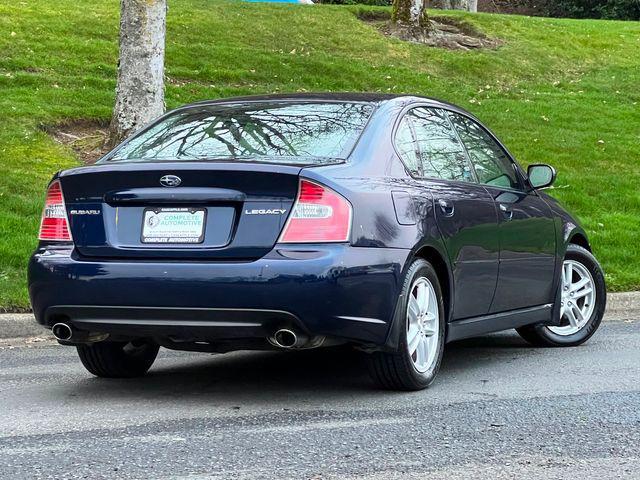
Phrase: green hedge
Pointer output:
(609, 9)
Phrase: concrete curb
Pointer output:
(620, 306)
(623, 306)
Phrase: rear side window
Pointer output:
(439, 151)
(492, 164)
(286, 132)
(407, 146)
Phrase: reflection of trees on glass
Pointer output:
(407, 148)
(440, 153)
(489, 160)
(252, 130)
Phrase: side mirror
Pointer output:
(541, 175)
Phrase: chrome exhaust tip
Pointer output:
(62, 331)
(285, 338)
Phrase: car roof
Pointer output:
(314, 96)
(376, 98)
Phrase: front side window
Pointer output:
(287, 132)
(492, 164)
(440, 153)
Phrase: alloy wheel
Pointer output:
(423, 325)
(578, 299)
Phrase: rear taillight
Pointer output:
(319, 215)
(54, 225)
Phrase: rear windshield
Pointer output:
(305, 133)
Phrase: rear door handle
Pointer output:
(447, 208)
(507, 213)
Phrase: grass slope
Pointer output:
(558, 91)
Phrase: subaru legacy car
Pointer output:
(394, 224)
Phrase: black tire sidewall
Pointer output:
(421, 268)
(110, 360)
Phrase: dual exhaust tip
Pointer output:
(282, 338)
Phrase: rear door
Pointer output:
(199, 210)
(527, 229)
(465, 212)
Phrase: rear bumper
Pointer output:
(333, 290)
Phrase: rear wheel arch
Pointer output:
(436, 259)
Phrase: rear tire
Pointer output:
(565, 336)
(402, 370)
(118, 359)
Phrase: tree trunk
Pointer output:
(411, 13)
(469, 5)
(140, 85)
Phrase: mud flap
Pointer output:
(555, 311)
(397, 326)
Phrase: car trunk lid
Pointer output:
(178, 210)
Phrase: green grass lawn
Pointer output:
(564, 92)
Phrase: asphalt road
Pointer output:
(499, 409)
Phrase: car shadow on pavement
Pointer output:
(336, 367)
(336, 371)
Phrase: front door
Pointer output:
(527, 229)
(527, 251)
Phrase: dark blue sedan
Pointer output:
(395, 224)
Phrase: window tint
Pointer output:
(406, 145)
(490, 161)
(311, 132)
(440, 153)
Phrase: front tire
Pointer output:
(583, 295)
(416, 362)
(118, 359)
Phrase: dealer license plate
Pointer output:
(173, 225)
